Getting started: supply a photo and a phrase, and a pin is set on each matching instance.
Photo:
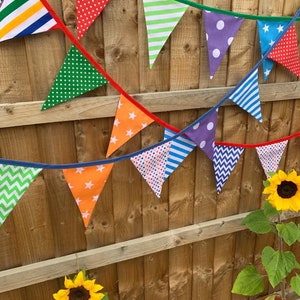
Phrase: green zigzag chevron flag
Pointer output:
(75, 77)
(161, 16)
(14, 181)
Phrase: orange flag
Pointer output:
(129, 121)
(86, 185)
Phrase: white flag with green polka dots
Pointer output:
(76, 77)
(161, 16)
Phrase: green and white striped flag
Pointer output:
(161, 16)
(14, 181)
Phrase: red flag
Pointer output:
(286, 51)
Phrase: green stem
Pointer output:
(280, 248)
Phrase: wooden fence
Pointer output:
(190, 243)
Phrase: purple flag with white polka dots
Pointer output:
(203, 133)
(220, 32)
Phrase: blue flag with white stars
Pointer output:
(268, 33)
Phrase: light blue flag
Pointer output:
(247, 95)
(180, 148)
(268, 32)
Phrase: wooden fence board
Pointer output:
(136, 245)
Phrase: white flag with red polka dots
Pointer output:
(87, 12)
(270, 156)
(152, 165)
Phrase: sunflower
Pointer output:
(80, 288)
(284, 191)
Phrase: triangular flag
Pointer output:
(86, 185)
(247, 96)
(87, 12)
(220, 32)
(268, 32)
(225, 159)
(14, 182)
(180, 148)
(286, 51)
(203, 133)
(75, 77)
(152, 165)
(129, 120)
(24, 17)
(270, 156)
(161, 19)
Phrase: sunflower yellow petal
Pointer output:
(68, 283)
(79, 280)
(61, 295)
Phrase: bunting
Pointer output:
(152, 165)
(268, 32)
(220, 33)
(247, 96)
(24, 17)
(129, 120)
(224, 160)
(161, 16)
(286, 51)
(87, 12)
(14, 182)
(270, 156)
(203, 133)
(180, 148)
(79, 75)
(86, 185)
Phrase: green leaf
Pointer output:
(288, 231)
(257, 222)
(248, 282)
(277, 264)
(295, 284)
(269, 210)
(298, 238)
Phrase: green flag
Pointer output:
(76, 77)
(14, 181)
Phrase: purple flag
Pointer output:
(203, 133)
(220, 32)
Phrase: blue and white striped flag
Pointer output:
(24, 17)
(180, 148)
(225, 159)
(247, 96)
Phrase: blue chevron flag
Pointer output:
(180, 148)
(225, 159)
(247, 96)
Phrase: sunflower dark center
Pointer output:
(79, 293)
(287, 189)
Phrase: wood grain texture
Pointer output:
(188, 244)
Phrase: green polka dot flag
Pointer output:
(76, 77)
